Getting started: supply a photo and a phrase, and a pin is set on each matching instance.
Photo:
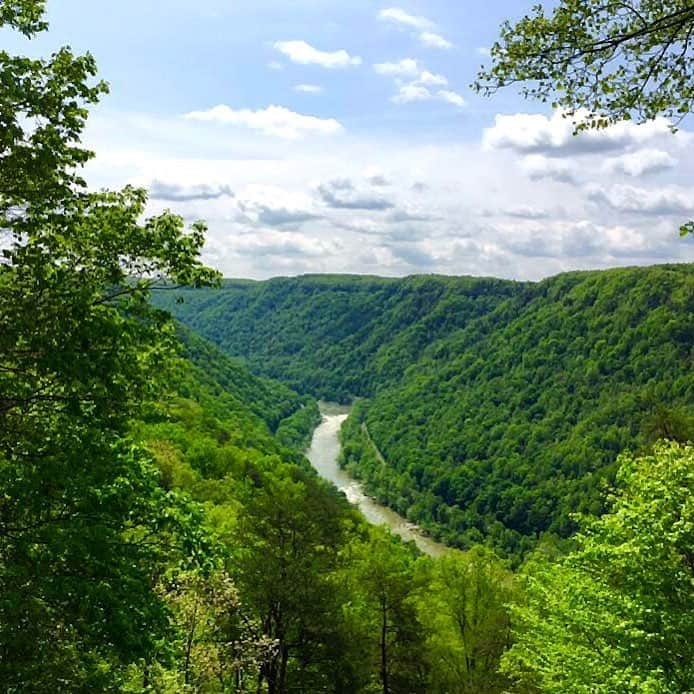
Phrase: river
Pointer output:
(323, 455)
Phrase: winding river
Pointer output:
(323, 455)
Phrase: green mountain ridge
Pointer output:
(500, 406)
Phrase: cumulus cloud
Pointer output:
(266, 233)
(414, 91)
(431, 79)
(308, 88)
(414, 255)
(527, 212)
(305, 54)
(451, 97)
(341, 194)
(277, 216)
(402, 18)
(276, 243)
(176, 192)
(537, 134)
(275, 207)
(408, 93)
(630, 199)
(427, 35)
(432, 40)
(277, 121)
(377, 179)
(420, 85)
(406, 215)
(538, 167)
(582, 241)
(407, 67)
(640, 163)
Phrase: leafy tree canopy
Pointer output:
(615, 615)
(617, 59)
(601, 61)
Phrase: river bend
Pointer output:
(323, 455)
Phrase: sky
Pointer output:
(325, 136)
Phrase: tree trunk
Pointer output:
(282, 679)
(189, 645)
(384, 647)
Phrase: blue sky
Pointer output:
(324, 136)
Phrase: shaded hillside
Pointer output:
(336, 337)
(500, 407)
(290, 589)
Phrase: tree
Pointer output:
(465, 615)
(384, 610)
(602, 61)
(615, 614)
(85, 527)
(218, 648)
(289, 535)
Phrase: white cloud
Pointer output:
(399, 16)
(538, 167)
(305, 54)
(270, 242)
(275, 65)
(410, 215)
(433, 40)
(411, 92)
(428, 218)
(657, 201)
(407, 67)
(414, 91)
(418, 88)
(641, 162)
(376, 177)
(274, 206)
(308, 88)
(341, 194)
(527, 212)
(177, 192)
(533, 133)
(432, 79)
(277, 121)
(484, 51)
(451, 97)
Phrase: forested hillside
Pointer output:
(499, 407)
(291, 589)
(161, 530)
(336, 337)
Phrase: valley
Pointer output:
(346, 483)
(501, 406)
(324, 454)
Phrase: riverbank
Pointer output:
(324, 453)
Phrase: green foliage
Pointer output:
(497, 409)
(384, 614)
(84, 523)
(617, 60)
(334, 337)
(601, 62)
(615, 615)
(465, 615)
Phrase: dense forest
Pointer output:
(499, 407)
(295, 582)
(161, 530)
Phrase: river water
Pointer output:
(323, 455)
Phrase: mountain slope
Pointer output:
(499, 407)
